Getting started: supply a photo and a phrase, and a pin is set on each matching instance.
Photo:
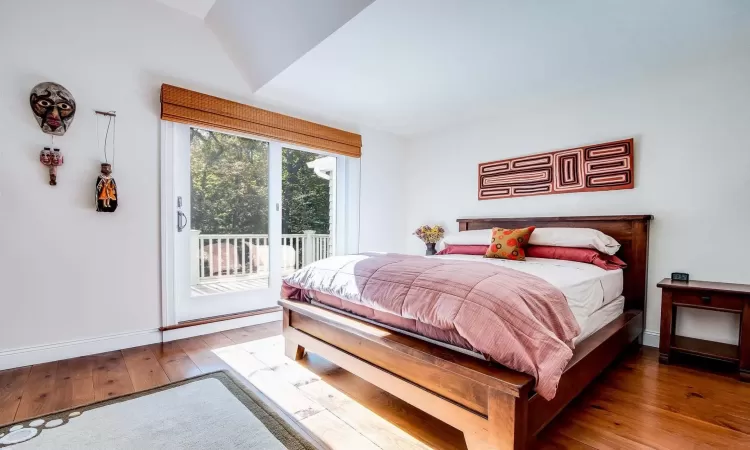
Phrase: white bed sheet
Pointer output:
(589, 325)
(586, 287)
(600, 317)
(594, 294)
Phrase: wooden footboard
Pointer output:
(493, 406)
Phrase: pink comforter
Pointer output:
(516, 319)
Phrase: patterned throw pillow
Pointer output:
(508, 243)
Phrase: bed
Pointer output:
(495, 407)
(592, 293)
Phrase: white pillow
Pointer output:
(575, 237)
(471, 237)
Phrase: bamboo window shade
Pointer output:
(193, 108)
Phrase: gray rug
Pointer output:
(210, 411)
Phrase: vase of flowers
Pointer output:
(430, 235)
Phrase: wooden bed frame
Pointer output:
(495, 407)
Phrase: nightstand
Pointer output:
(727, 297)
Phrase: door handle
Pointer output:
(181, 221)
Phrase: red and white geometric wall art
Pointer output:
(600, 167)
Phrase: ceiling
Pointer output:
(197, 8)
(412, 66)
(264, 37)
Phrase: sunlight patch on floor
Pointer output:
(329, 414)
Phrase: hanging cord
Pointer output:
(106, 137)
(114, 140)
(98, 142)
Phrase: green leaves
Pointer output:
(305, 195)
(229, 180)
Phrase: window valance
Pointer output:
(193, 108)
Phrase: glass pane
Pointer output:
(308, 192)
(229, 212)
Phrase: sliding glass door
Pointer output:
(247, 211)
(308, 194)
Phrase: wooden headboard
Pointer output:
(630, 231)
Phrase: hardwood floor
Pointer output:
(635, 405)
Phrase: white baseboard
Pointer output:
(215, 327)
(36, 354)
(650, 338)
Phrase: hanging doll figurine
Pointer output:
(106, 190)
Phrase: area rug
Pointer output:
(210, 411)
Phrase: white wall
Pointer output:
(692, 172)
(68, 273)
(383, 195)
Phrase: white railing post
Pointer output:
(216, 257)
(195, 257)
(308, 248)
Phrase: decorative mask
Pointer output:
(51, 159)
(57, 158)
(54, 107)
(45, 157)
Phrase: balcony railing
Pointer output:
(225, 257)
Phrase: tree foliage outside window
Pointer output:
(229, 180)
(305, 195)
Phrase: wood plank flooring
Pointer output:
(638, 404)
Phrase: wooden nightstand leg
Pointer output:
(745, 343)
(668, 321)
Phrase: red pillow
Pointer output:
(464, 250)
(584, 255)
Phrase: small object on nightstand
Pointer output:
(679, 276)
(727, 297)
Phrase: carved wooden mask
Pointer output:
(54, 107)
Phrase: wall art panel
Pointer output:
(600, 167)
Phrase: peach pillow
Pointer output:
(509, 243)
